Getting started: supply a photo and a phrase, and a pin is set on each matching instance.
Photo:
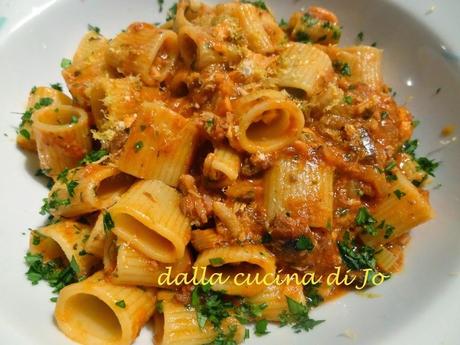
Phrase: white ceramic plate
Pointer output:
(422, 53)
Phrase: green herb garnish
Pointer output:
(108, 222)
(297, 317)
(304, 243)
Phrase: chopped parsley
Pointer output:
(374, 44)
(74, 265)
(159, 307)
(36, 238)
(65, 63)
(388, 170)
(52, 271)
(57, 86)
(160, 4)
(257, 3)
(261, 327)
(53, 203)
(210, 306)
(356, 257)
(360, 36)
(25, 133)
(423, 163)
(410, 146)
(427, 165)
(438, 90)
(348, 100)
(209, 125)
(62, 176)
(121, 303)
(283, 24)
(387, 228)
(33, 90)
(94, 29)
(74, 119)
(172, 11)
(225, 338)
(399, 194)
(43, 102)
(71, 185)
(304, 243)
(27, 115)
(108, 222)
(384, 115)
(297, 316)
(247, 312)
(216, 261)
(93, 156)
(343, 68)
(310, 20)
(365, 220)
(314, 299)
(302, 37)
(138, 146)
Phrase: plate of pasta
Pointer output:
(229, 172)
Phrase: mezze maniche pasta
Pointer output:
(219, 143)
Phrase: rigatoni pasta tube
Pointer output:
(196, 48)
(176, 324)
(88, 64)
(115, 101)
(303, 67)
(300, 185)
(274, 296)
(148, 217)
(39, 97)
(403, 214)
(97, 187)
(160, 145)
(62, 135)
(266, 121)
(239, 267)
(254, 31)
(97, 312)
(144, 50)
(134, 268)
(69, 237)
(365, 64)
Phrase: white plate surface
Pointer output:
(421, 39)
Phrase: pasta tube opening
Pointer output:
(95, 311)
(165, 57)
(98, 319)
(149, 219)
(188, 48)
(62, 135)
(111, 186)
(98, 187)
(267, 121)
(144, 50)
(143, 236)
